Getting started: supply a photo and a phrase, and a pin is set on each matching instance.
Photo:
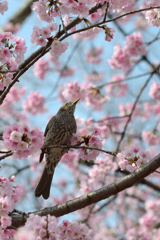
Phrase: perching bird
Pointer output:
(59, 131)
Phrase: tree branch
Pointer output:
(6, 155)
(92, 197)
(85, 147)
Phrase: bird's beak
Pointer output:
(76, 101)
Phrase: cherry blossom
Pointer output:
(133, 157)
(118, 89)
(3, 6)
(93, 55)
(34, 103)
(21, 140)
(40, 69)
(89, 141)
(153, 17)
(37, 227)
(94, 76)
(10, 195)
(124, 58)
(12, 50)
(154, 90)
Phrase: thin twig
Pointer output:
(6, 155)
(5, 151)
(83, 147)
(132, 110)
(7, 71)
(106, 11)
(125, 80)
(111, 20)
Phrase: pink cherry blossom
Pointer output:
(120, 59)
(153, 17)
(37, 228)
(41, 8)
(108, 33)
(96, 15)
(24, 234)
(93, 55)
(67, 72)
(3, 6)
(57, 48)
(133, 157)
(10, 195)
(12, 50)
(22, 142)
(41, 67)
(83, 10)
(34, 103)
(94, 76)
(124, 58)
(89, 141)
(93, 97)
(15, 136)
(119, 5)
(134, 45)
(118, 89)
(155, 90)
(86, 35)
(71, 91)
(74, 139)
(150, 137)
(10, 27)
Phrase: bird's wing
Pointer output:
(45, 133)
(51, 121)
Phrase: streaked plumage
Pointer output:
(59, 131)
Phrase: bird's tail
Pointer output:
(44, 185)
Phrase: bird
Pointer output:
(58, 131)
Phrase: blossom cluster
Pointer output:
(12, 50)
(124, 58)
(88, 141)
(87, 35)
(133, 157)
(10, 195)
(66, 72)
(119, 6)
(46, 12)
(147, 223)
(151, 137)
(98, 174)
(7, 109)
(94, 76)
(153, 17)
(96, 15)
(93, 55)
(41, 67)
(34, 103)
(93, 97)
(40, 35)
(10, 27)
(88, 92)
(3, 6)
(117, 89)
(108, 33)
(46, 227)
(155, 90)
(22, 141)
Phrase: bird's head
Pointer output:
(69, 107)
